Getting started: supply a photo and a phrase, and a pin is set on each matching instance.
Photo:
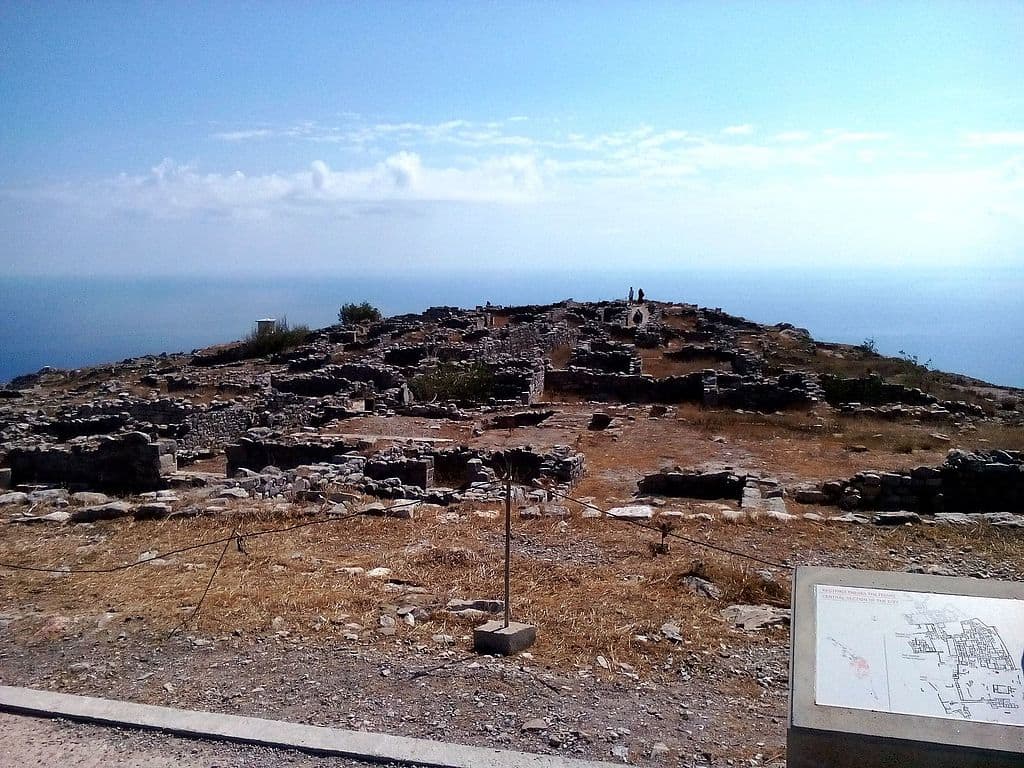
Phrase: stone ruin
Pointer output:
(138, 426)
(413, 470)
(131, 462)
(986, 481)
(867, 393)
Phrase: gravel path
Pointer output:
(30, 741)
(701, 710)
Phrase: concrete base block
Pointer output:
(495, 637)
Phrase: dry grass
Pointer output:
(560, 355)
(582, 606)
(740, 582)
(681, 322)
(656, 364)
(591, 586)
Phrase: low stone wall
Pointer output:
(694, 485)
(561, 465)
(709, 388)
(66, 429)
(871, 390)
(518, 380)
(308, 363)
(329, 380)
(607, 360)
(129, 463)
(527, 340)
(788, 390)
(214, 427)
(161, 411)
(406, 355)
(416, 471)
(740, 361)
(254, 454)
(989, 481)
(596, 385)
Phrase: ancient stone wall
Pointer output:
(988, 481)
(215, 427)
(416, 471)
(159, 411)
(609, 358)
(406, 355)
(871, 390)
(67, 429)
(596, 385)
(307, 363)
(128, 463)
(329, 380)
(710, 388)
(789, 390)
(254, 454)
(517, 379)
(694, 485)
(526, 340)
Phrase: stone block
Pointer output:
(5, 478)
(810, 496)
(495, 637)
(633, 512)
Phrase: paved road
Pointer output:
(26, 742)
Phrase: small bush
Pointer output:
(448, 381)
(1008, 403)
(354, 314)
(868, 347)
(280, 338)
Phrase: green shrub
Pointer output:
(868, 347)
(278, 339)
(354, 314)
(448, 381)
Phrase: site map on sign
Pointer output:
(914, 653)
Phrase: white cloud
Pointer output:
(855, 137)
(404, 170)
(842, 186)
(320, 173)
(995, 139)
(173, 190)
(739, 130)
(253, 133)
(792, 136)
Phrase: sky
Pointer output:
(341, 138)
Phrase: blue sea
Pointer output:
(969, 322)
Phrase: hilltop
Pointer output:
(669, 466)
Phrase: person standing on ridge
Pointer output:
(631, 294)
(639, 295)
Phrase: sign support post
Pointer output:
(505, 637)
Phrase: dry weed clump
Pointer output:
(742, 584)
(749, 424)
(658, 365)
(427, 555)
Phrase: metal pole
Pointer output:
(508, 547)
